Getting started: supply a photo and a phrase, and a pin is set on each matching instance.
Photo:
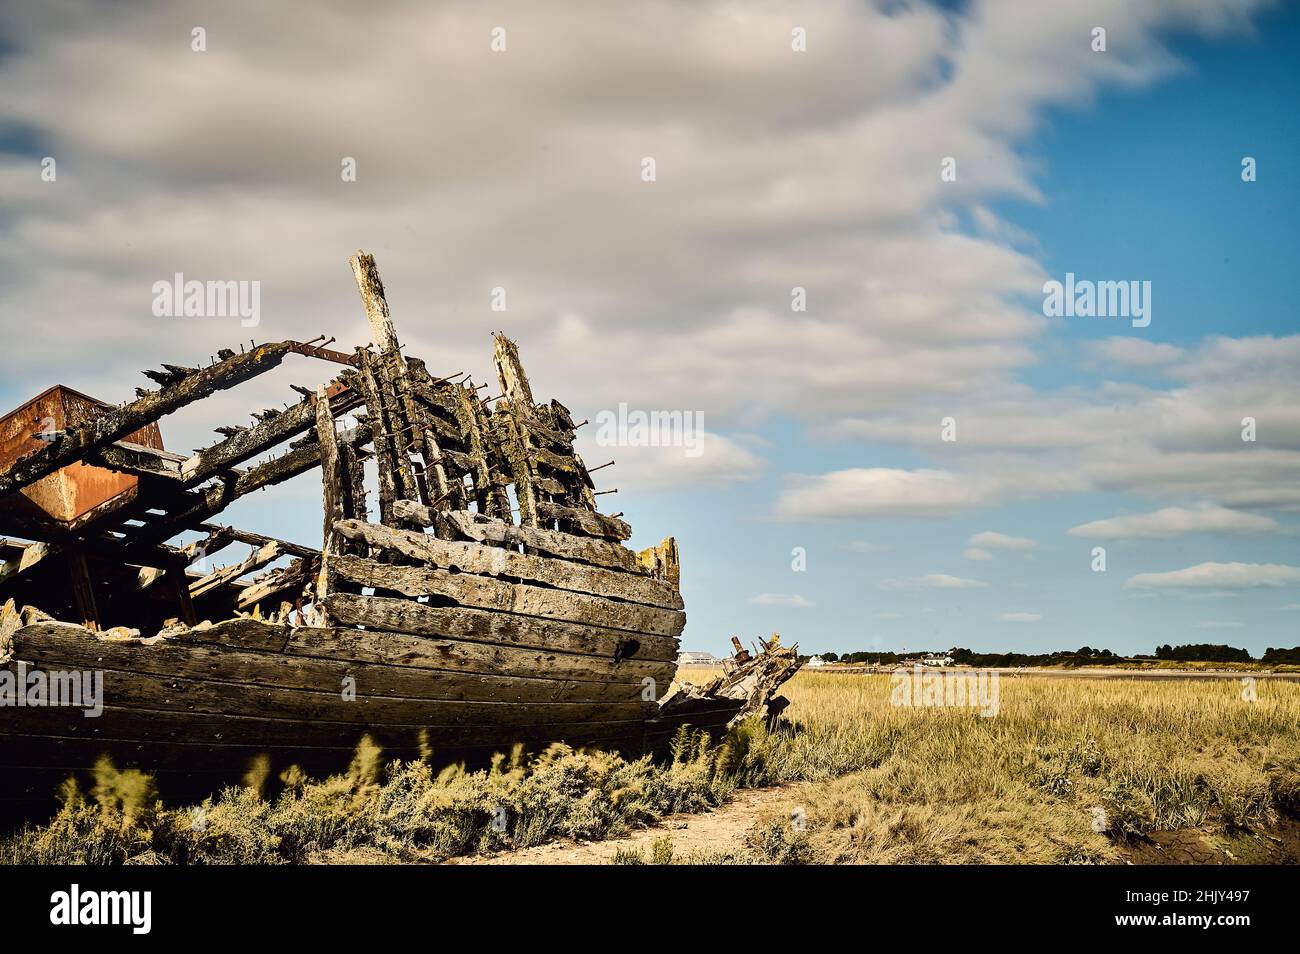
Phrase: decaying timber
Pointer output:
(478, 601)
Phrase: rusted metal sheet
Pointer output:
(73, 492)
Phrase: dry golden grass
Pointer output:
(1063, 770)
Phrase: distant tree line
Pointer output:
(1083, 656)
(1203, 652)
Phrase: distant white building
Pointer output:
(816, 662)
(687, 658)
(937, 660)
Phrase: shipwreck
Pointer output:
(484, 602)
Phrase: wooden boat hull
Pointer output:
(199, 704)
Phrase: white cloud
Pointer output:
(1021, 617)
(640, 469)
(933, 581)
(770, 171)
(1131, 353)
(975, 553)
(781, 599)
(879, 491)
(1177, 442)
(1235, 575)
(1000, 541)
(1176, 521)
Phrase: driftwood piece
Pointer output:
(749, 688)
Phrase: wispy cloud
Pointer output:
(792, 600)
(1234, 575)
(1176, 521)
(989, 540)
(931, 581)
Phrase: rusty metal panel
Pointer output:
(71, 492)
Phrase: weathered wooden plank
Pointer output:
(181, 740)
(71, 648)
(498, 562)
(135, 724)
(473, 625)
(589, 521)
(117, 423)
(134, 689)
(451, 639)
(472, 526)
(518, 598)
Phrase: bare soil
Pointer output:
(721, 830)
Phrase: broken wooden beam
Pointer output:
(30, 557)
(249, 442)
(375, 301)
(205, 504)
(139, 460)
(257, 539)
(589, 521)
(228, 574)
(116, 423)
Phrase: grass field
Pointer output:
(1066, 771)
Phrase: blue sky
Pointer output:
(776, 169)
